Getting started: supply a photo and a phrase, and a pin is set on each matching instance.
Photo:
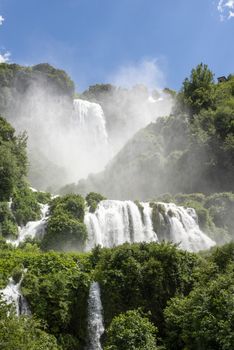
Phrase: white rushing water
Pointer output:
(90, 119)
(33, 229)
(12, 296)
(88, 140)
(95, 318)
(116, 222)
(184, 228)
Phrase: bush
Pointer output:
(13, 160)
(131, 331)
(43, 197)
(143, 275)
(24, 205)
(204, 319)
(65, 228)
(23, 333)
(64, 233)
(57, 290)
(71, 204)
(92, 200)
(8, 227)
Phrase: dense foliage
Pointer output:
(143, 275)
(65, 228)
(23, 333)
(14, 191)
(131, 331)
(215, 212)
(56, 287)
(16, 79)
(204, 319)
(13, 160)
(189, 298)
(92, 200)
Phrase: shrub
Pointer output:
(131, 331)
(71, 204)
(23, 333)
(204, 319)
(64, 233)
(24, 205)
(8, 227)
(92, 200)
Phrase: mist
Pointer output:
(70, 139)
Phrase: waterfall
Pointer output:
(12, 296)
(90, 119)
(95, 319)
(33, 229)
(90, 149)
(116, 222)
(184, 228)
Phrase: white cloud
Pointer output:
(225, 8)
(146, 72)
(4, 57)
(1, 20)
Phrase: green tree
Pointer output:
(92, 200)
(131, 331)
(23, 333)
(13, 159)
(65, 227)
(71, 204)
(64, 233)
(143, 275)
(204, 319)
(197, 91)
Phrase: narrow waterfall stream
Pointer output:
(33, 229)
(95, 318)
(13, 296)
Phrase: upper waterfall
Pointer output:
(90, 119)
(88, 139)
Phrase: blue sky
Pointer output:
(97, 40)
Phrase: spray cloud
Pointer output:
(68, 139)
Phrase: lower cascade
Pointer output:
(184, 228)
(115, 222)
(33, 229)
(95, 318)
(12, 296)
